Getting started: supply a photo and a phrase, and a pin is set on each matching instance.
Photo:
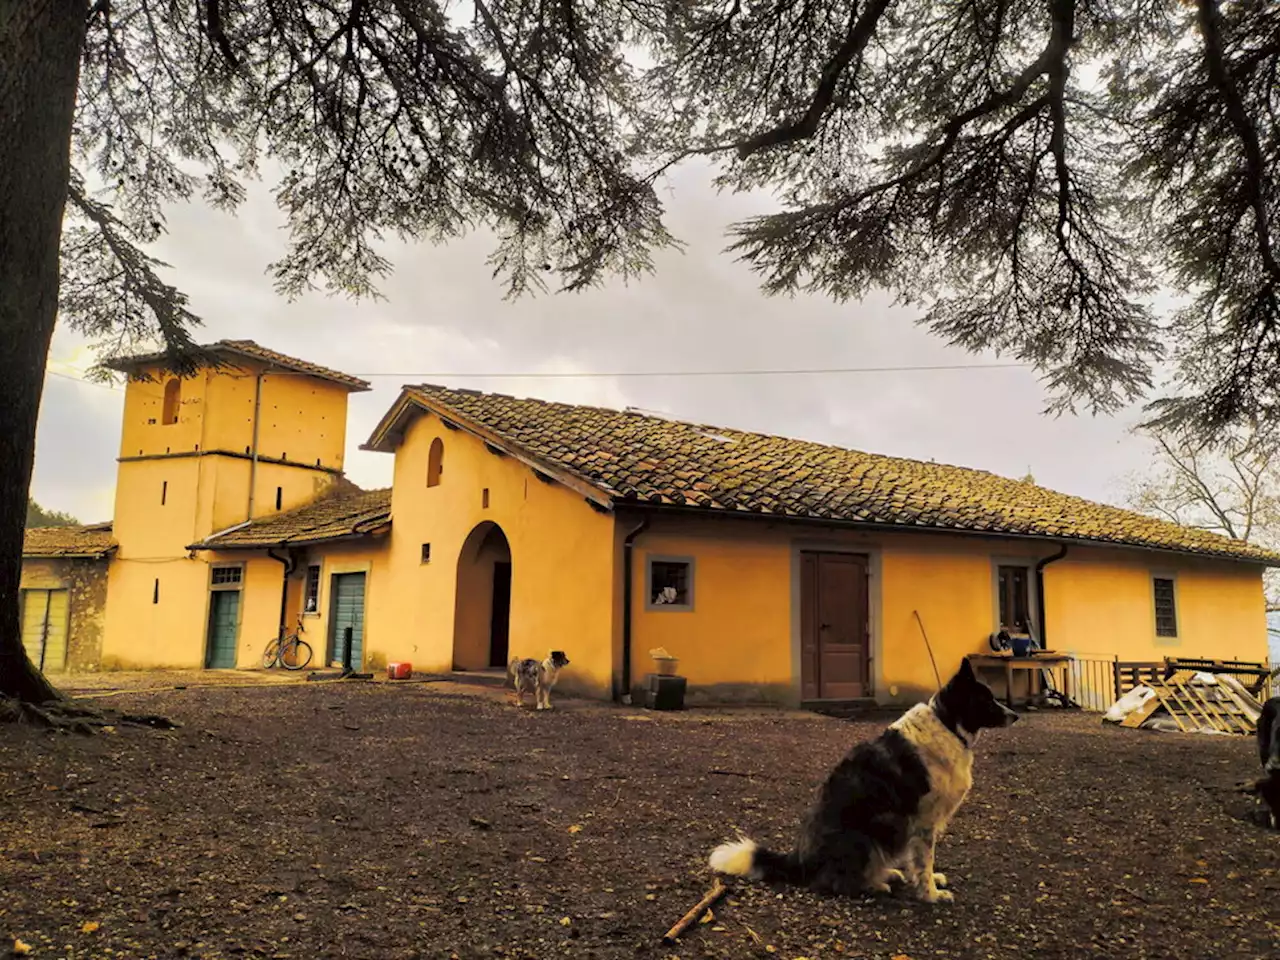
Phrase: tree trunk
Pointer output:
(40, 47)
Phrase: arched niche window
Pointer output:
(435, 462)
(172, 401)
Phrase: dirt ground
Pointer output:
(435, 820)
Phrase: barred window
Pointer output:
(1166, 607)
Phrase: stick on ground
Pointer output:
(699, 908)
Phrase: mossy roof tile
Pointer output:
(341, 515)
(90, 540)
(635, 457)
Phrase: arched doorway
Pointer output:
(482, 609)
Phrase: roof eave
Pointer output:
(380, 439)
(212, 352)
(83, 555)
(353, 384)
(632, 504)
(216, 547)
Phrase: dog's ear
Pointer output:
(966, 670)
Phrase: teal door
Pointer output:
(224, 611)
(348, 612)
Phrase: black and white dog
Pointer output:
(883, 807)
(1268, 788)
(527, 674)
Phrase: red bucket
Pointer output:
(399, 671)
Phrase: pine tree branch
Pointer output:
(859, 33)
(1210, 20)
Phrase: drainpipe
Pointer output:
(253, 463)
(287, 563)
(1062, 552)
(627, 545)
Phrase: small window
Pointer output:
(670, 584)
(484, 498)
(279, 497)
(172, 401)
(1166, 607)
(426, 553)
(1015, 602)
(226, 576)
(435, 462)
(164, 492)
(311, 601)
(155, 591)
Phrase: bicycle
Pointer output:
(291, 652)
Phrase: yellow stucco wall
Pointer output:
(302, 419)
(193, 479)
(562, 555)
(1221, 610)
(741, 640)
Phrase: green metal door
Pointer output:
(224, 612)
(348, 611)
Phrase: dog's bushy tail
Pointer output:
(744, 858)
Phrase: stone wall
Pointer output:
(86, 583)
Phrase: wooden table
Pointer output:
(1010, 663)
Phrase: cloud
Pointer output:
(444, 316)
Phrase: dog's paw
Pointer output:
(880, 888)
(940, 880)
(937, 896)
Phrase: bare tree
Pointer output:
(1231, 487)
(1029, 172)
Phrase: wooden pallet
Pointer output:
(1193, 705)
(1255, 676)
(1130, 674)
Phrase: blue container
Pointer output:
(1021, 646)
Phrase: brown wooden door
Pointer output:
(835, 655)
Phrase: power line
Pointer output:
(780, 372)
(656, 374)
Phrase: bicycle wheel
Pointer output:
(271, 654)
(296, 656)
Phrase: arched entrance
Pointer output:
(482, 609)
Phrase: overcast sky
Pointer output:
(445, 315)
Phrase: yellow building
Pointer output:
(252, 434)
(773, 569)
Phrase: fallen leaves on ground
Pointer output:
(268, 827)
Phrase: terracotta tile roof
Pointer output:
(340, 515)
(635, 458)
(246, 349)
(92, 540)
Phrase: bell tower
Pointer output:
(251, 433)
